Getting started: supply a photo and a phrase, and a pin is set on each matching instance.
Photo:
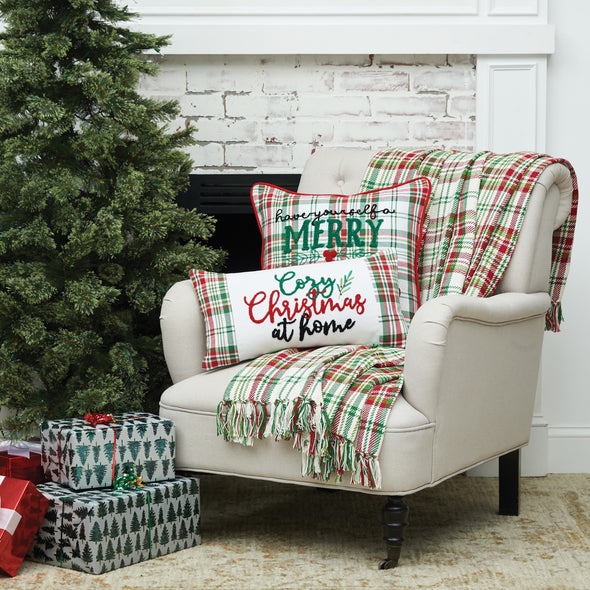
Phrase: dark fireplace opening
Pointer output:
(227, 198)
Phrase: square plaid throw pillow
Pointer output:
(304, 228)
(248, 314)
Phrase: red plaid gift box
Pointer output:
(22, 509)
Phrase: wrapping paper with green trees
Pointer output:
(82, 456)
(96, 531)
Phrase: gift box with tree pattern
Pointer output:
(96, 531)
(82, 456)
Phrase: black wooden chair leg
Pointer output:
(509, 480)
(394, 519)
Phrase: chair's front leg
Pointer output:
(394, 519)
(509, 483)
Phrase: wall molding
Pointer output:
(337, 8)
(228, 27)
(511, 102)
(569, 449)
(348, 38)
(514, 8)
(332, 8)
(511, 115)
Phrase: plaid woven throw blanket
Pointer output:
(333, 402)
(476, 210)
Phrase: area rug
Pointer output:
(260, 535)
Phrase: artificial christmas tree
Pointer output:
(90, 233)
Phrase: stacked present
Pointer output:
(114, 498)
(97, 531)
(92, 452)
(21, 460)
(22, 509)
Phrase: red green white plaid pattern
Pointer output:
(219, 304)
(384, 273)
(331, 401)
(302, 228)
(213, 295)
(474, 217)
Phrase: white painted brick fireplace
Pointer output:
(266, 82)
(268, 113)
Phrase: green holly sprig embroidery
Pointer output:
(345, 283)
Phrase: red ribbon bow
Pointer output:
(97, 418)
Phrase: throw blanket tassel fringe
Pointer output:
(241, 423)
(367, 472)
(554, 317)
(322, 455)
(341, 456)
(279, 421)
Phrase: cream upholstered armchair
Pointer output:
(470, 372)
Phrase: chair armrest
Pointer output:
(183, 331)
(447, 333)
(472, 366)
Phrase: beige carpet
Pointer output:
(258, 535)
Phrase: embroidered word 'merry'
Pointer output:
(327, 233)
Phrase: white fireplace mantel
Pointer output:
(511, 39)
(498, 27)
